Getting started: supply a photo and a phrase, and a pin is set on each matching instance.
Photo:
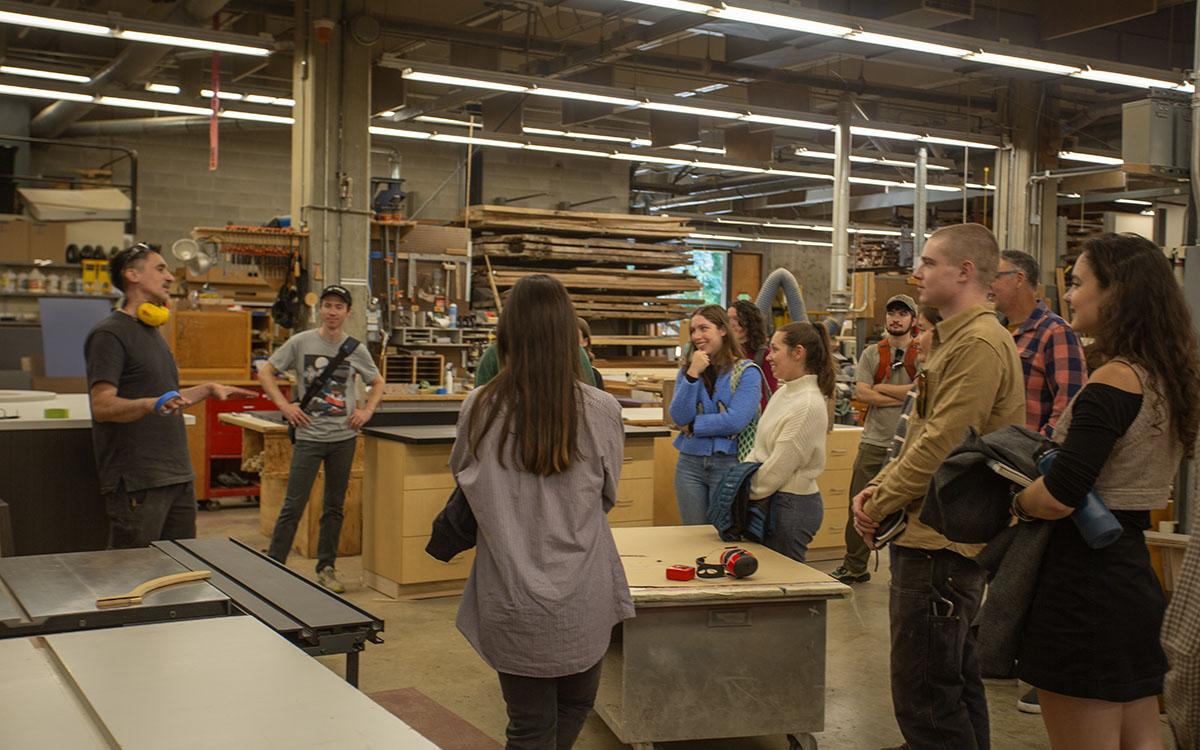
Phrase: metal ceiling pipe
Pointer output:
(179, 124)
(919, 208)
(839, 288)
(135, 61)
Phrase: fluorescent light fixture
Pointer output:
(1132, 202)
(450, 138)
(475, 83)
(256, 117)
(805, 153)
(728, 167)
(1146, 213)
(1089, 158)
(1124, 79)
(52, 75)
(649, 159)
(1024, 63)
(585, 136)
(957, 142)
(565, 94)
(742, 223)
(682, 5)
(683, 109)
(182, 109)
(55, 24)
(710, 88)
(284, 101)
(886, 40)
(641, 142)
(562, 150)
(875, 181)
(260, 99)
(700, 149)
(1069, 195)
(183, 41)
(207, 94)
(778, 21)
(793, 173)
(938, 188)
(449, 121)
(398, 133)
(163, 88)
(894, 135)
(788, 122)
(877, 232)
(37, 93)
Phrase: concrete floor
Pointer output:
(423, 650)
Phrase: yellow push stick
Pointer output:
(135, 596)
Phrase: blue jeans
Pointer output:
(795, 520)
(696, 481)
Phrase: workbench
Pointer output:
(408, 480)
(713, 659)
(224, 682)
(48, 474)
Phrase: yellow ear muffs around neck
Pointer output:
(152, 314)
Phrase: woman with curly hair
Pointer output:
(750, 330)
(1091, 640)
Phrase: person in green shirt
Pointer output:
(489, 365)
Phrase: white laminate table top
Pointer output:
(31, 414)
(227, 682)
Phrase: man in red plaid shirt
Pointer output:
(1051, 354)
(1051, 357)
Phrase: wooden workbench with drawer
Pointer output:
(408, 481)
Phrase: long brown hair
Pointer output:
(1146, 321)
(818, 357)
(729, 353)
(535, 395)
(750, 318)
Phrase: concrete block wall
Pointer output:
(810, 266)
(252, 182)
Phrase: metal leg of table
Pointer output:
(803, 741)
(352, 668)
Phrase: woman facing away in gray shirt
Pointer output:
(538, 455)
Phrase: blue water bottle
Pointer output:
(1096, 523)
(454, 315)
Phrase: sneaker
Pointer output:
(1028, 703)
(327, 577)
(845, 576)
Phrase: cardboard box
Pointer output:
(425, 239)
(106, 234)
(14, 240)
(48, 240)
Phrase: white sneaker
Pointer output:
(327, 577)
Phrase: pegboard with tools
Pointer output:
(252, 252)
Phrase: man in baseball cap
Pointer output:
(342, 293)
(885, 372)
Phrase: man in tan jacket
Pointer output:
(972, 378)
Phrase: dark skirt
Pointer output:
(1093, 627)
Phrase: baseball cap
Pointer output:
(902, 299)
(337, 290)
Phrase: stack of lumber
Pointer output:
(618, 268)
(877, 254)
(574, 223)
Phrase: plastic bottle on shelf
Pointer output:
(53, 284)
(454, 315)
(8, 281)
(37, 281)
(448, 379)
(22, 282)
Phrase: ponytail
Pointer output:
(818, 355)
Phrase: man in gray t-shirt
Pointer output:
(326, 429)
(885, 371)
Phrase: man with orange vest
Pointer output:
(884, 374)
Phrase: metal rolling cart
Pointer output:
(754, 646)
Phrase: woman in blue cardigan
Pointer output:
(710, 412)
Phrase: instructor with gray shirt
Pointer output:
(326, 430)
(137, 408)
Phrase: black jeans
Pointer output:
(547, 713)
(307, 456)
(137, 518)
(937, 691)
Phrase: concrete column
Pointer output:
(839, 288)
(1015, 166)
(1047, 253)
(331, 150)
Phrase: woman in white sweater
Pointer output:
(790, 443)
